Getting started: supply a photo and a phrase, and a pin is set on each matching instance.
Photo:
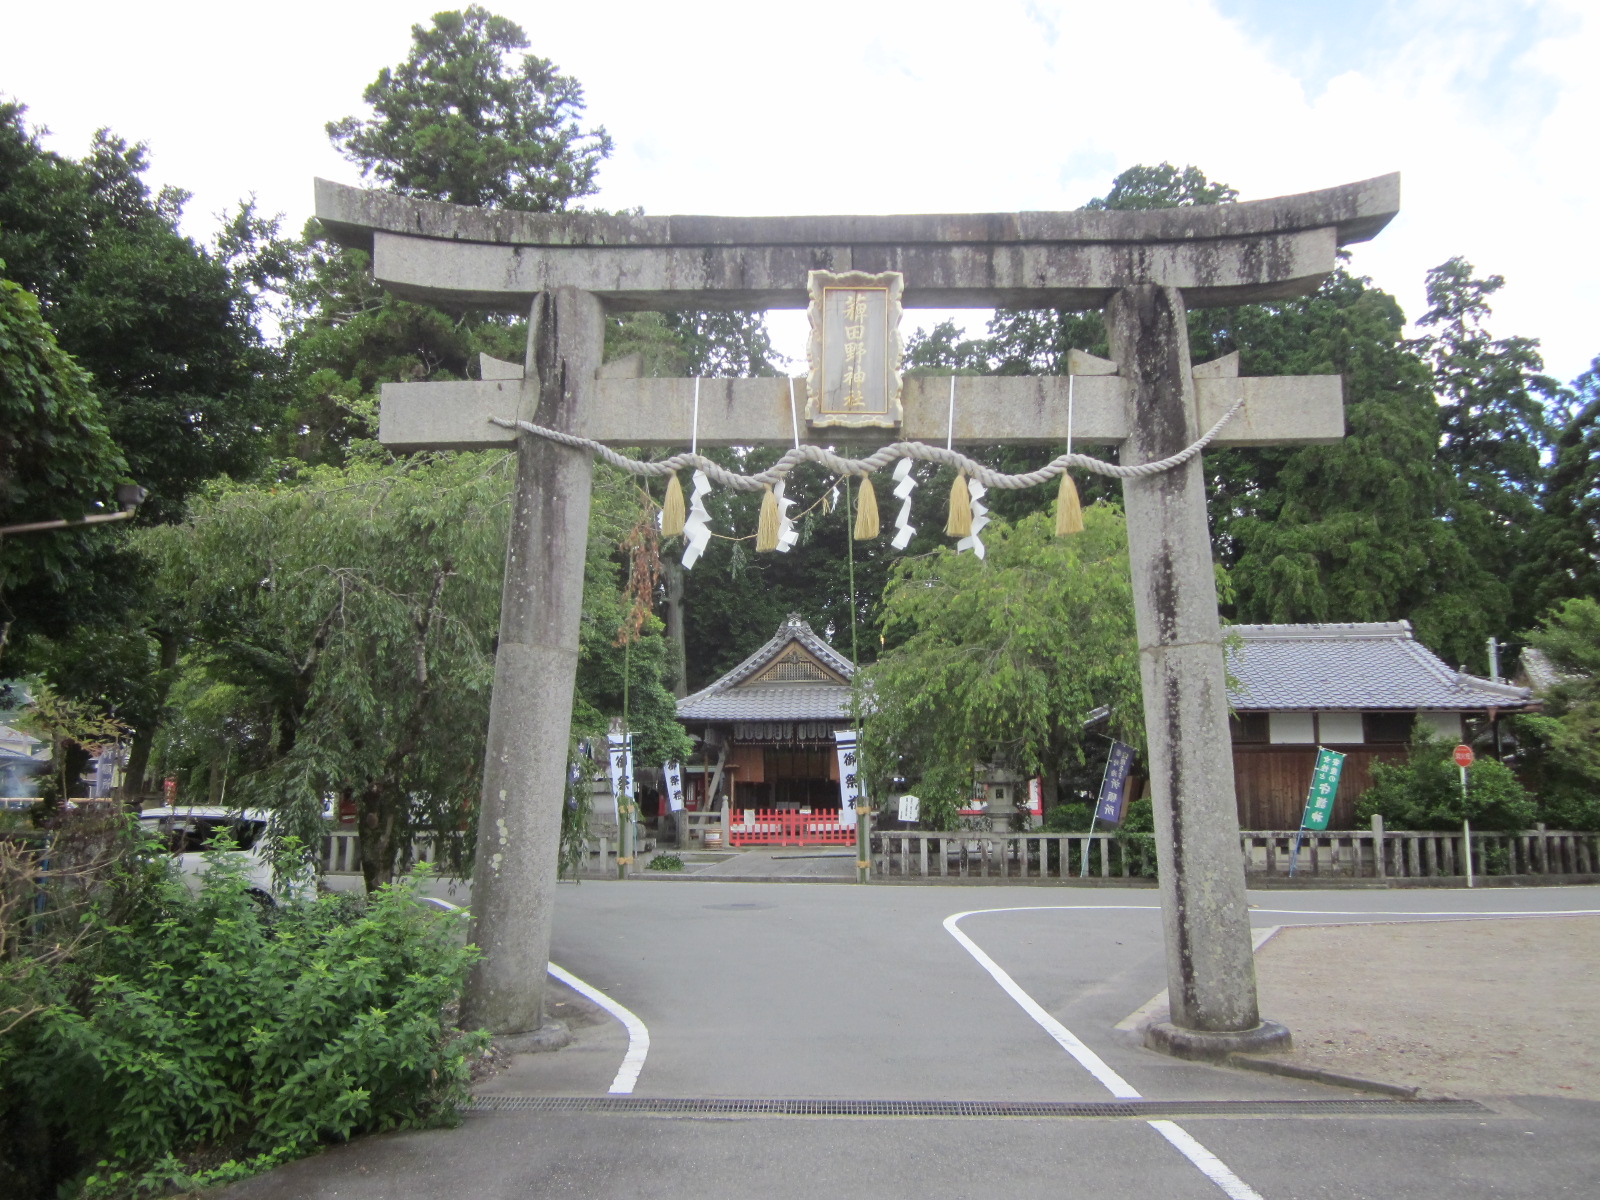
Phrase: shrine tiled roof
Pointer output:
(737, 697)
(770, 702)
(1364, 666)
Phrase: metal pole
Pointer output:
(1466, 843)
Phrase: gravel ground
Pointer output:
(1497, 1007)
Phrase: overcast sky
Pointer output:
(1488, 108)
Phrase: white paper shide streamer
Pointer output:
(905, 484)
(697, 526)
(788, 535)
(980, 518)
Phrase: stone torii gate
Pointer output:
(1144, 269)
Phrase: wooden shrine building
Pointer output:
(1357, 688)
(765, 729)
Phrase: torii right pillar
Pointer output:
(1211, 978)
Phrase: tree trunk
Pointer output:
(672, 571)
(1050, 791)
(133, 789)
(375, 823)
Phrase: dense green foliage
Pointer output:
(1424, 792)
(340, 628)
(57, 458)
(1561, 554)
(465, 119)
(1560, 752)
(188, 1038)
(164, 327)
(1002, 660)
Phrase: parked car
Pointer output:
(188, 830)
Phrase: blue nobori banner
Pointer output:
(1114, 785)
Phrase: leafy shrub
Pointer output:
(210, 1029)
(1069, 818)
(665, 862)
(1424, 792)
(1135, 836)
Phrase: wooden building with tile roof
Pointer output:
(765, 729)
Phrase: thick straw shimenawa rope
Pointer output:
(876, 461)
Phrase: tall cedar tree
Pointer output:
(1562, 559)
(466, 120)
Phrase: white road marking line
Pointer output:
(638, 1035)
(1210, 1165)
(1464, 913)
(1087, 1058)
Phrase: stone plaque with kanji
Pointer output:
(855, 349)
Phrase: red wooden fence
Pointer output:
(787, 827)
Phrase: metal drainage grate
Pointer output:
(1140, 1110)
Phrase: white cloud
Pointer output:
(856, 105)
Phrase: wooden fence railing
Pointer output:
(1382, 854)
(975, 855)
(1376, 854)
(341, 855)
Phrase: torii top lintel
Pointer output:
(1221, 254)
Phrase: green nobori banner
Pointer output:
(1324, 786)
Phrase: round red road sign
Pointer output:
(1463, 756)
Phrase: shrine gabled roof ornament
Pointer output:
(795, 675)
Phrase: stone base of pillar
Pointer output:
(1209, 1045)
(552, 1035)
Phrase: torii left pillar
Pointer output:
(536, 663)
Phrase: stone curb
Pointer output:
(552, 1035)
(1270, 1066)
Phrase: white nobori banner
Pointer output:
(673, 774)
(849, 775)
(621, 762)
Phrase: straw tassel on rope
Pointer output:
(1069, 509)
(673, 510)
(866, 511)
(960, 523)
(767, 527)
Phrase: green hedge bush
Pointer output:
(197, 1038)
(1424, 792)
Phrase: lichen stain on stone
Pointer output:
(494, 863)
(500, 828)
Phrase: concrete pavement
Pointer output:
(799, 990)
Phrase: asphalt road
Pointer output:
(822, 991)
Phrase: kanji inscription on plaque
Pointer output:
(855, 349)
